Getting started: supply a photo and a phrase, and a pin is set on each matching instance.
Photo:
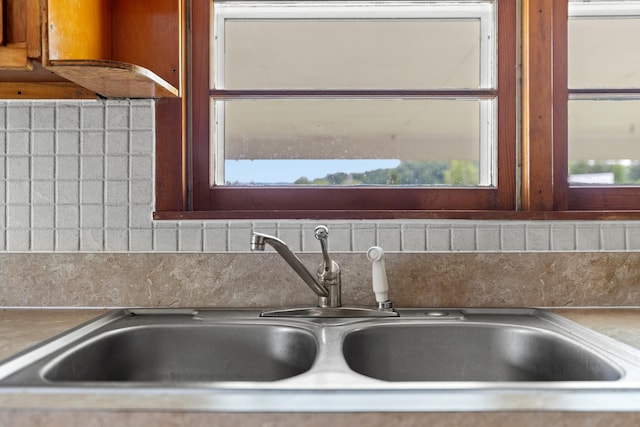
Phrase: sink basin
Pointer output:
(471, 352)
(184, 353)
(237, 360)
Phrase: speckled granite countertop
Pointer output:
(622, 324)
(22, 328)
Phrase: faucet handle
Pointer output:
(321, 232)
(379, 277)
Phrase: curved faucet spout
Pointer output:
(258, 241)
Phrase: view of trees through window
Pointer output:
(413, 173)
(592, 172)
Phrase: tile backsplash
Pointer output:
(77, 176)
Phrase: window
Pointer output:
(547, 149)
(358, 99)
(571, 110)
(603, 73)
(330, 85)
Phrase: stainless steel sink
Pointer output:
(177, 347)
(183, 353)
(472, 352)
(424, 359)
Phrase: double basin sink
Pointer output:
(421, 350)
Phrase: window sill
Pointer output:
(399, 215)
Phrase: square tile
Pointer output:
(587, 236)
(140, 240)
(463, 238)
(117, 116)
(166, 239)
(513, 237)
(18, 116)
(93, 116)
(43, 216)
(190, 237)
(488, 237)
(68, 116)
(92, 192)
(538, 237)
(563, 237)
(42, 240)
(438, 238)
(68, 143)
(92, 167)
(117, 217)
(142, 191)
(67, 167)
(17, 143)
(43, 116)
(116, 240)
(117, 142)
(18, 168)
(117, 167)
(613, 237)
(390, 237)
(42, 192)
(92, 142)
(92, 216)
(215, 236)
(43, 167)
(142, 116)
(18, 240)
(67, 216)
(364, 236)
(117, 192)
(414, 237)
(43, 143)
(92, 240)
(141, 167)
(140, 216)
(18, 192)
(18, 216)
(67, 240)
(67, 192)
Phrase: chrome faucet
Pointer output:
(326, 284)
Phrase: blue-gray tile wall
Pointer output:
(77, 176)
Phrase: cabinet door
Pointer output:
(117, 48)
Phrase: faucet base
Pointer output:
(330, 312)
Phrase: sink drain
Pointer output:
(437, 313)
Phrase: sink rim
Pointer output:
(338, 376)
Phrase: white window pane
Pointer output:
(603, 44)
(604, 142)
(346, 54)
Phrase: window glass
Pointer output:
(354, 142)
(603, 45)
(347, 93)
(604, 111)
(347, 54)
(604, 142)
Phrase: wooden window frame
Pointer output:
(541, 191)
(545, 125)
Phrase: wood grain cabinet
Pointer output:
(76, 49)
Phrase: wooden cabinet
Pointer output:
(19, 33)
(74, 49)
